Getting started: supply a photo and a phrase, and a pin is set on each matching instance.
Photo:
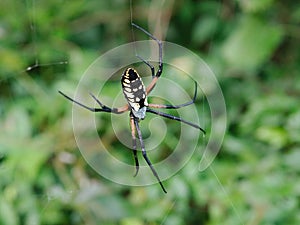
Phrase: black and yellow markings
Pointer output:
(134, 89)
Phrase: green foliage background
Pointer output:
(253, 48)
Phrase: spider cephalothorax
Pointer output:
(136, 95)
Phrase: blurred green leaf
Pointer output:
(131, 221)
(255, 5)
(204, 29)
(251, 44)
(7, 213)
(17, 123)
(293, 126)
(276, 137)
(291, 160)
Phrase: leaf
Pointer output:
(204, 29)
(251, 44)
(255, 5)
(292, 158)
(7, 213)
(274, 136)
(293, 126)
(17, 123)
(131, 221)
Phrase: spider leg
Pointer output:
(148, 64)
(176, 106)
(175, 118)
(132, 126)
(145, 154)
(113, 110)
(160, 63)
(102, 109)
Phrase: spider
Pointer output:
(136, 94)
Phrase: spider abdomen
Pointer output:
(134, 92)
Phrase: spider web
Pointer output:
(19, 77)
(29, 43)
(38, 63)
(172, 205)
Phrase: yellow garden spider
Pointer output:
(136, 95)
